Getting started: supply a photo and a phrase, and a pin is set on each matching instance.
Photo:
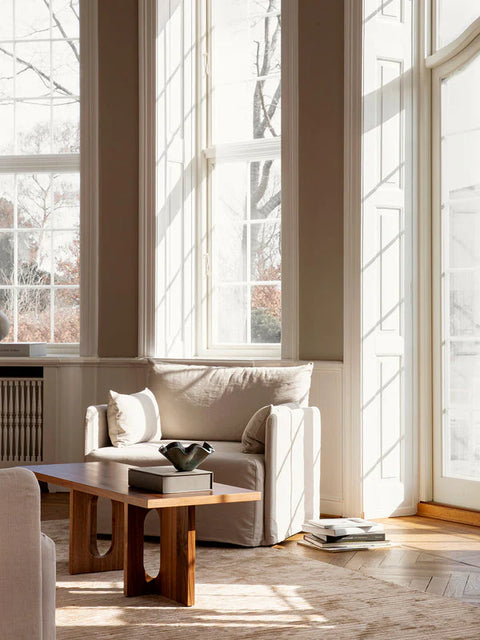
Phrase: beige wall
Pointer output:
(321, 178)
(118, 175)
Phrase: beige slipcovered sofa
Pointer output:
(198, 403)
(27, 561)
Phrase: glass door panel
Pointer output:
(457, 434)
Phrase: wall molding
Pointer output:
(352, 423)
(147, 25)
(331, 506)
(89, 183)
(290, 192)
(424, 384)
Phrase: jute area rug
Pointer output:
(254, 593)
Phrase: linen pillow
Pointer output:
(133, 418)
(253, 438)
(199, 402)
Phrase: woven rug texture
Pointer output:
(261, 593)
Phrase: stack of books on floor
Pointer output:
(344, 534)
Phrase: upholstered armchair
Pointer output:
(215, 404)
(27, 561)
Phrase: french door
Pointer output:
(456, 277)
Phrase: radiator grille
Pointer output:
(21, 419)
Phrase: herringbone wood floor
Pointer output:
(432, 555)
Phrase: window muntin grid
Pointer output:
(244, 295)
(39, 109)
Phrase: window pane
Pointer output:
(33, 126)
(66, 201)
(6, 75)
(40, 251)
(65, 59)
(462, 421)
(34, 200)
(7, 257)
(34, 257)
(265, 251)
(230, 315)
(453, 17)
(65, 23)
(34, 315)
(460, 180)
(32, 19)
(65, 128)
(66, 248)
(67, 316)
(7, 131)
(6, 305)
(7, 196)
(266, 314)
(245, 70)
(265, 189)
(6, 23)
(246, 248)
(254, 106)
(33, 70)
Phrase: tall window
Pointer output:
(39, 169)
(456, 241)
(244, 175)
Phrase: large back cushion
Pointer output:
(202, 403)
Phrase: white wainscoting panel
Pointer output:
(327, 394)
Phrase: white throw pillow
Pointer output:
(253, 438)
(133, 418)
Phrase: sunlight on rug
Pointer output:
(254, 593)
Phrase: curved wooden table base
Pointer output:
(84, 554)
(176, 578)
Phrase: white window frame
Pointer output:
(148, 291)
(441, 64)
(85, 163)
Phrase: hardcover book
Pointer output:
(341, 526)
(23, 349)
(164, 479)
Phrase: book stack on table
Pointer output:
(344, 534)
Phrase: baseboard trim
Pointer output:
(448, 513)
(331, 506)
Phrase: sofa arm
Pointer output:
(96, 428)
(20, 555)
(292, 471)
(48, 587)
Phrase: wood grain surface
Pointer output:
(110, 480)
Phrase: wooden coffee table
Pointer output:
(89, 480)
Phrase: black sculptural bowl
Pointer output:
(186, 458)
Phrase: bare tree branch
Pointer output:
(62, 31)
(270, 205)
(43, 76)
(261, 186)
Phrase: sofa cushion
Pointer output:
(216, 403)
(235, 523)
(144, 454)
(133, 418)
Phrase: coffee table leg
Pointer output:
(176, 579)
(83, 551)
(177, 554)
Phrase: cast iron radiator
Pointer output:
(21, 414)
